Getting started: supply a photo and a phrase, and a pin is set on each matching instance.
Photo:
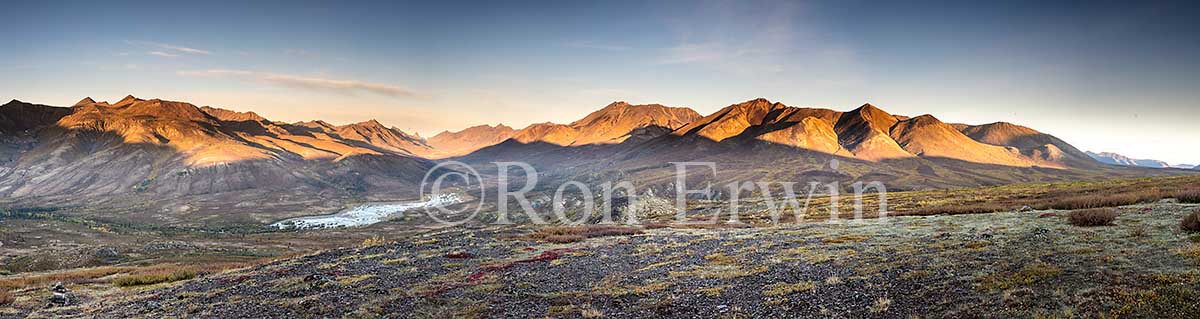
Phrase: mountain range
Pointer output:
(760, 139)
(162, 153)
(178, 157)
(1118, 159)
(866, 133)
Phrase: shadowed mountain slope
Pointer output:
(864, 132)
(390, 139)
(928, 137)
(609, 125)
(162, 154)
(760, 139)
(156, 150)
(776, 123)
(1031, 143)
(17, 116)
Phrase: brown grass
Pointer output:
(1191, 222)
(158, 275)
(90, 275)
(1041, 196)
(564, 239)
(957, 209)
(1092, 217)
(96, 275)
(1188, 196)
(1093, 202)
(571, 234)
(6, 298)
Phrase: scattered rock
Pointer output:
(61, 296)
(1025, 208)
(167, 246)
(108, 255)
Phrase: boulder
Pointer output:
(61, 296)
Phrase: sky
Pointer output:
(1104, 76)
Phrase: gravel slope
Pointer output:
(992, 265)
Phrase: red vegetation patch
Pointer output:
(474, 278)
(655, 225)
(544, 256)
(460, 255)
(234, 280)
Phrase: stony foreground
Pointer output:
(1022, 264)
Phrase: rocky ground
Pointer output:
(1016, 264)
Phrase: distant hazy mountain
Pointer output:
(1118, 159)
(470, 139)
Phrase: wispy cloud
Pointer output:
(305, 82)
(215, 73)
(594, 46)
(749, 39)
(301, 53)
(167, 50)
(162, 54)
(726, 56)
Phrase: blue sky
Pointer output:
(1105, 76)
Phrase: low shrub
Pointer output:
(373, 241)
(1191, 222)
(98, 274)
(6, 298)
(1188, 196)
(1092, 217)
(1094, 201)
(156, 276)
(564, 239)
(88, 275)
(957, 209)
